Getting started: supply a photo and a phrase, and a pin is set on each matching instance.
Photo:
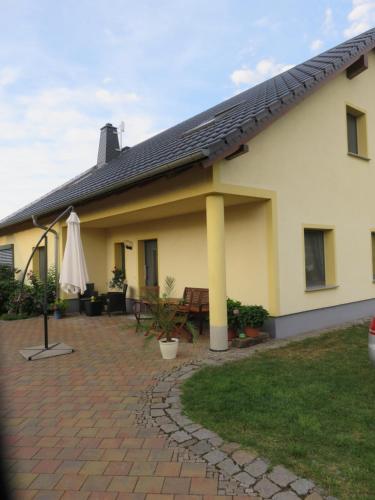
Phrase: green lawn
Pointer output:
(309, 406)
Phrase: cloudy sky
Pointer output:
(68, 67)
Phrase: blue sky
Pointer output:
(67, 68)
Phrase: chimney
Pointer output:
(108, 144)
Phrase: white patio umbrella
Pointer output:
(73, 276)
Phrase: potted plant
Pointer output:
(116, 298)
(59, 308)
(233, 314)
(165, 320)
(252, 319)
(93, 306)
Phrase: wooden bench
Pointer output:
(196, 302)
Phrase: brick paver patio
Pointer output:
(70, 421)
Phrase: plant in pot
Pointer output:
(59, 308)
(93, 307)
(166, 318)
(117, 285)
(233, 315)
(252, 319)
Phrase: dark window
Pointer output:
(314, 258)
(352, 133)
(39, 263)
(120, 256)
(6, 255)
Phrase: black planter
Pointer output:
(116, 302)
(93, 308)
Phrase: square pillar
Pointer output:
(216, 272)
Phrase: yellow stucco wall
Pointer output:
(94, 242)
(182, 251)
(23, 242)
(303, 157)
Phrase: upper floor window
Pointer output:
(356, 132)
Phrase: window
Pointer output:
(373, 254)
(39, 263)
(356, 132)
(319, 258)
(120, 256)
(7, 255)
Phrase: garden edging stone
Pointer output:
(239, 471)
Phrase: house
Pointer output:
(267, 198)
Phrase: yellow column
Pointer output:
(216, 272)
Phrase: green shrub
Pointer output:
(233, 313)
(8, 286)
(252, 316)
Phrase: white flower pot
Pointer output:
(168, 349)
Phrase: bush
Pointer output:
(30, 301)
(252, 316)
(240, 316)
(233, 313)
(8, 286)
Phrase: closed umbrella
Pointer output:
(73, 276)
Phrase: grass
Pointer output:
(309, 406)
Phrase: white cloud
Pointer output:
(50, 136)
(361, 17)
(8, 75)
(316, 45)
(328, 24)
(265, 68)
(107, 97)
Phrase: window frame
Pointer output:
(329, 257)
(8, 247)
(119, 256)
(360, 116)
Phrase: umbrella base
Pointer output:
(40, 352)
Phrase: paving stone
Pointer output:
(243, 457)
(216, 441)
(314, 496)
(286, 495)
(182, 421)
(215, 456)
(229, 466)
(245, 478)
(192, 427)
(204, 434)
(169, 428)
(157, 413)
(163, 420)
(230, 447)
(201, 447)
(257, 468)
(180, 436)
(266, 488)
(302, 486)
(282, 476)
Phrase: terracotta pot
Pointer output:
(252, 332)
(168, 349)
(231, 334)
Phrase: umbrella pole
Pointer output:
(58, 348)
(45, 297)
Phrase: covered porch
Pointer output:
(217, 239)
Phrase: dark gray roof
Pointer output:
(210, 135)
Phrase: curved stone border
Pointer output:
(239, 472)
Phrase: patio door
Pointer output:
(151, 262)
